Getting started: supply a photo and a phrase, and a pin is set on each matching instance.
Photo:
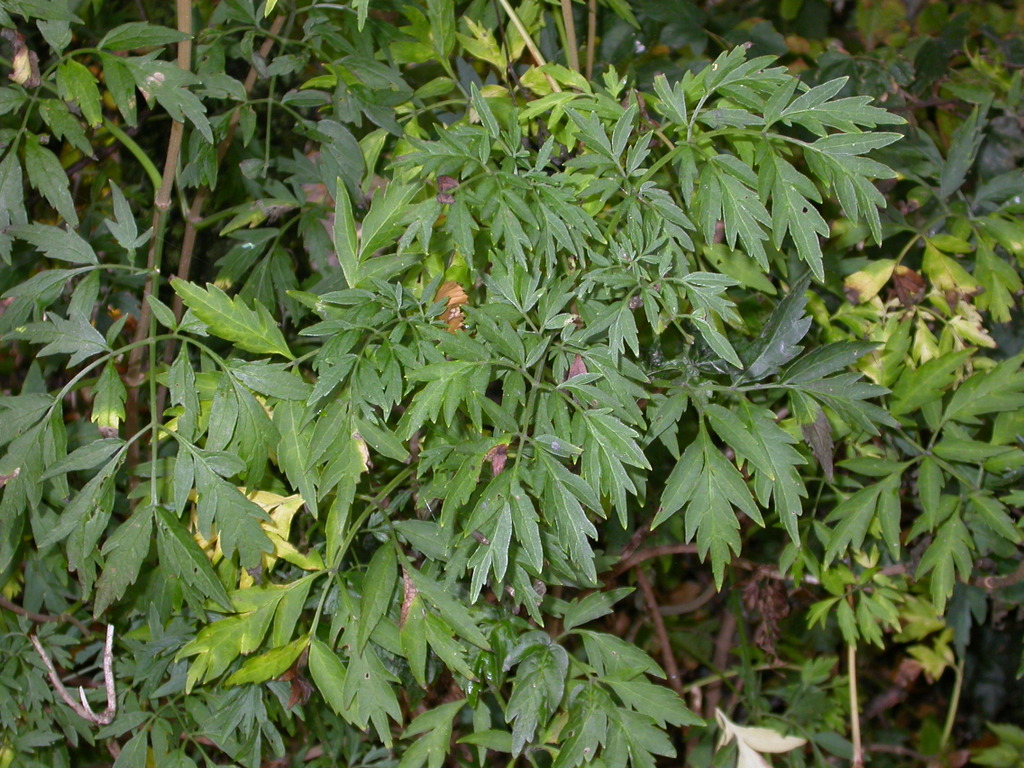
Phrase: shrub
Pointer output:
(389, 382)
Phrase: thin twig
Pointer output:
(83, 709)
(161, 205)
(633, 560)
(44, 618)
(591, 38)
(188, 241)
(668, 658)
(680, 609)
(851, 666)
(991, 583)
(720, 660)
(572, 54)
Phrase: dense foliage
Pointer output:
(440, 383)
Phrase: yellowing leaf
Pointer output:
(864, 285)
(752, 742)
(946, 273)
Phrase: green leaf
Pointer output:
(56, 243)
(77, 85)
(46, 174)
(378, 588)
(948, 554)
(269, 665)
(593, 606)
(108, 400)
(124, 553)
(928, 382)
(124, 228)
(453, 611)
(345, 239)
(74, 336)
(231, 319)
(183, 557)
(167, 84)
(793, 196)
(776, 477)
(993, 391)
(85, 457)
(779, 340)
(140, 34)
(854, 515)
(537, 689)
(431, 749)
(134, 753)
(293, 451)
(657, 702)
(328, 675)
(708, 487)
(967, 140)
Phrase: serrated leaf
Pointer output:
(378, 588)
(168, 84)
(231, 319)
(46, 174)
(125, 551)
(140, 34)
(993, 391)
(536, 690)
(779, 340)
(269, 665)
(180, 553)
(76, 84)
(948, 554)
(854, 515)
(708, 487)
(454, 612)
(57, 243)
(329, 675)
(657, 702)
(593, 606)
(432, 748)
(967, 140)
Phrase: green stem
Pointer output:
(137, 151)
(954, 704)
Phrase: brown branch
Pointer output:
(44, 618)
(82, 709)
(668, 658)
(161, 204)
(992, 583)
(720, 660)
(188, 242)
(680, 609)
(633, 560)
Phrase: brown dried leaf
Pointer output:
(497, 456)
(577, 368)
(455, 296)
(909, 285)
(819, 437)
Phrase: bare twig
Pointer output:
(858, 749)
(680, 609)
(161, 205)
(668, 658)
(720, 660)
(188, 241)
(572, 54)
(991, 583)
(44, 618)
(82, 708)
(591, 37)
(633, 560)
